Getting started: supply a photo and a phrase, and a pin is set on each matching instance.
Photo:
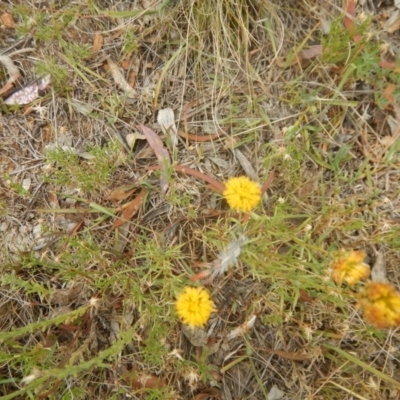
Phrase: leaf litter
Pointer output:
(270, 329)
(161, 153)
(29, 93)
(120, 80)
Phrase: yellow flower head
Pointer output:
(380, 303)
(194, 306)
(242, 194)
(349, 267)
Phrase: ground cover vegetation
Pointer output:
(199, 199)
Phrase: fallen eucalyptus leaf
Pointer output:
(166, 120)
(120, 80)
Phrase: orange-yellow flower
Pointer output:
(194, 306)
(380, 303)
(350, 268)
(242, 194)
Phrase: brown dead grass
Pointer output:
(221, 69)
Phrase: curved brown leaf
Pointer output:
(130, 209)
(349, 24)
(206, 394)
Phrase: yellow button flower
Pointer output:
(194, 306)
(242, 194)
(380, 303)
(350, 268)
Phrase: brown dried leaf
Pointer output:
(311, 52)
(161, 153)
(97, 43)
(132, 78)
(290, 355)
(117, 34)
(126, 63)
(7, 20)
(388, 92)
(12, 71)
(77, 227)
(53, 199)
(121, 193)
(120, 80)
(122, 239)
(130, 209)
(387, 64)
(268, 182)
(348, 22)
(209, 393)
(201, 275)
(305, 297)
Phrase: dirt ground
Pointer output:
(107, 108)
